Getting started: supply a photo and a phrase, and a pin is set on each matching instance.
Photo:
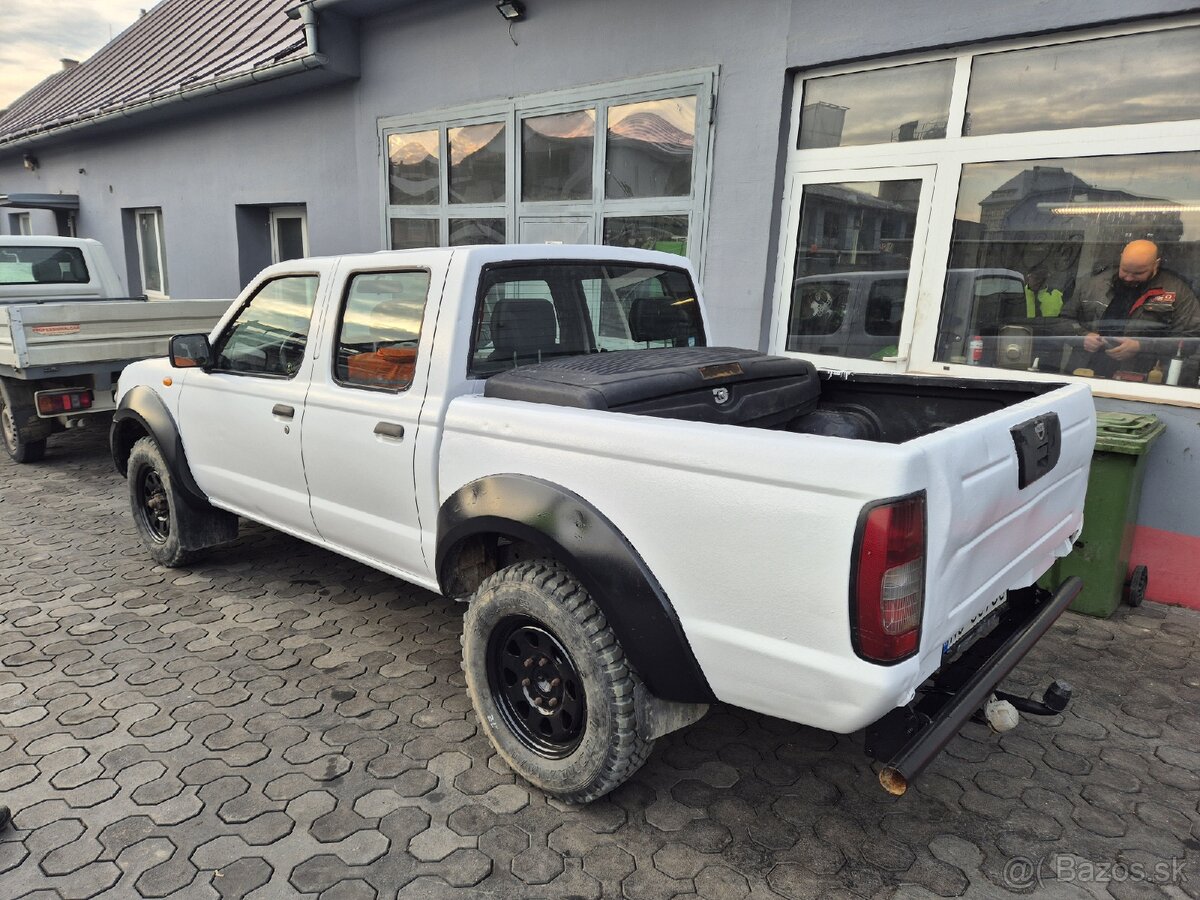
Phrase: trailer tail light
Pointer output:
(56, 403)
(888, 586)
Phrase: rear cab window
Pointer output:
(531, 312)
(42, 265)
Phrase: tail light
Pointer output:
(58, 402)
(888, 586)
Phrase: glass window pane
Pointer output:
(852, 262)
(666, 233)
(42, 265)
(649, 149)
(905, 103)
(477, 163)
(152, 277)
(289, 237)
(530, 313)
(556, 156)
(380, 329)
(269, 334)
(409, 234)
(1128, 80)
(476, 231)
(1081, 266)
(413, 168)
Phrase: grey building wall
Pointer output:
(321, 148)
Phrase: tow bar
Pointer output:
(908, 738)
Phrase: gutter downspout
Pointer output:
(311, 60)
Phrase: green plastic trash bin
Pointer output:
(1101, 556)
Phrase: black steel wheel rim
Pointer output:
(536, 686)
(152, 504)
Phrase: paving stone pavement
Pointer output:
(277, 721)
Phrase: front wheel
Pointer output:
(165, 520)
(550, 682)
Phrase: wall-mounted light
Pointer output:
(31, 162)
(512, 10)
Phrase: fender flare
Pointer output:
(141, 409)
(568, 528)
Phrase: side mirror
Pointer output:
(190, 351)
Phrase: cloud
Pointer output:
(36, 35)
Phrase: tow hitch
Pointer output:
(908, 738)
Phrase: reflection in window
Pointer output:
(477, 163)
(380, 329)
(556, 156)
(904, 103)
(535, 312)
(1126, 80)
(665, 233)
(1081, 266)
(269, 334)
(851, 273)
(649, 149)
(413, 168)
(476, 231)
(410, 234)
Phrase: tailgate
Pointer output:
(986, 533)
(53, 334)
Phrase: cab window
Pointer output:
(379, 330)
(269, 334)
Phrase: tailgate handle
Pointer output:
(1038, 443)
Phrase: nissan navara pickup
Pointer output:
(643, 523)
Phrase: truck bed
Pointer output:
(730, 516)
(39, 335)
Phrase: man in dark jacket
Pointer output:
(1135, 317)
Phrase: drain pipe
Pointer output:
(308, 19)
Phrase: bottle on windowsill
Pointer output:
(1176, 367)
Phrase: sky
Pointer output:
(36, 34)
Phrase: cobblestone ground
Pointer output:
(278, 721)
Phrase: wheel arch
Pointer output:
(482, 519)
(142, 413)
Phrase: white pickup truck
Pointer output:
(642, 523)
(66, 331)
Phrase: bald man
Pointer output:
(1135, 316)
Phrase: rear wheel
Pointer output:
(16, 442)
(550, 683)
(165, 520)
(1135, 587)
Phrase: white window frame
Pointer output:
(288, 212)
(699, 82)
(947, 156)
(156, 213)
(24, 223)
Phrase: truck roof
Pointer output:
(44, 240)
(481, 254)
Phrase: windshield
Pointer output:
(42, 265)
(534, 311)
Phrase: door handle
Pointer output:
(283, 410)
(390, 430)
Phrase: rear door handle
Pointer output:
(283, 410)
(390, 430)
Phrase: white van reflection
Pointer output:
(858, 315)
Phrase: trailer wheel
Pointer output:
(165, 520)
(550, 683)
(18, 446)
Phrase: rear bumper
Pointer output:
(907, 739)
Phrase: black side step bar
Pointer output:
(1011, 640)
